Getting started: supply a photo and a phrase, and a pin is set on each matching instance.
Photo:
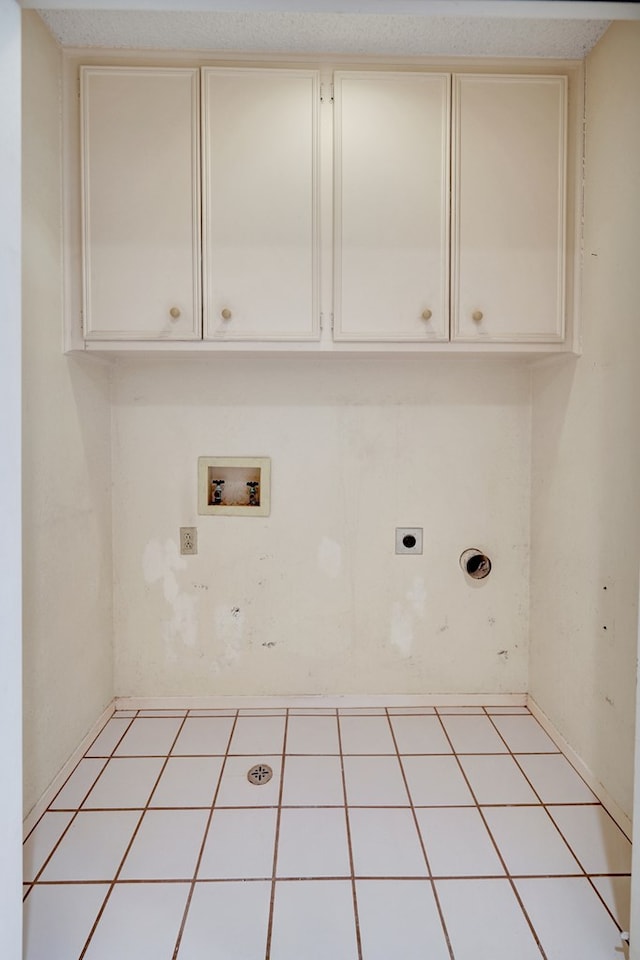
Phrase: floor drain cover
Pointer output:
(259, 774)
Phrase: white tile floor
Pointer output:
(385, 834)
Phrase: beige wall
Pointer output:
(66, 489)
(10, 495)
(586, 455)
(312, 599)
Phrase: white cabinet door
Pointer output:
(260, 204)
(141, 207)
(391, 206)
(508, 208)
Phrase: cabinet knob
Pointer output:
(426, 314)
(226, 314)
(476, 316)
(174, 313)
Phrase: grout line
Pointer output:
(407, 753)
(545, 807)
(276, 841)
(354, 893)
(601, 898)
(73, 810)
(76, 810)
(132, 881)
(203, 844)
(131, 841)
(421, 842)
(497, 849)
(328, 806)
(599, 803)
(34, 817)
(71, 773)
(596, 800)
(603, 797)
(52, 809)
(514, 757)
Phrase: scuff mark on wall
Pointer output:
(330, 558)
(159, 563)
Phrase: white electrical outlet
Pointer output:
(188, 541)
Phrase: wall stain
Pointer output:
(504, 654)
(269, 644)
(160, 562)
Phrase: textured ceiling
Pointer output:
(357, 34)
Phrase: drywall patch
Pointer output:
(330, 558)
(417, 597)
(229, 625)
(401, 629)
(182, 628)
(404, 615)
(159, 563)
(160, 560)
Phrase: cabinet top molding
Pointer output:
(503, 9)
(393, 28)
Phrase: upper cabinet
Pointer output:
(141, 203)
(508, 223)
(260, 204)
(391, 227)
(239, 206)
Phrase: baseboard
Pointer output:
(340, 700)
(580, 766)
(58, 782)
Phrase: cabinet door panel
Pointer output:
(141, 208)
(391, 206)
(260, 204)
(508, 208)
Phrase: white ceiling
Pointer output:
(319, 30)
